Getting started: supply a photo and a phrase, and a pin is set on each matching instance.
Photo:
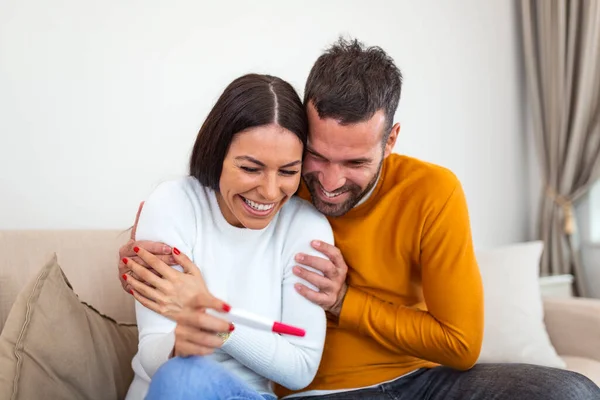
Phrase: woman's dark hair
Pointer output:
(249, 101)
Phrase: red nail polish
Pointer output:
(231, 327)
(131, 292)
(226, 307)
(176, 251)
(136, 249)
(124, 277)
(125, 261)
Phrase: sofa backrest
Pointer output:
(88, 258)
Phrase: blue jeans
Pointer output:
(193, 378)
(484, 381)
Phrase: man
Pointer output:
(402, 288)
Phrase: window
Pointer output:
(595, 213)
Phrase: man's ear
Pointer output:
(391, 141)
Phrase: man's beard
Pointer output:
(356, 194)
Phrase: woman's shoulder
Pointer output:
(298, 207)
(299, 216)
(185, 189)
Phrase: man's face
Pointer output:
(342, 162)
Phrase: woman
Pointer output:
(234, 225)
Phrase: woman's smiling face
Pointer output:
(261, 171)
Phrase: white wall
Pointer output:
(100, 101)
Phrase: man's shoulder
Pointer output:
(420, 179)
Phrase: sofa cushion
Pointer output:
(585, 366)
(54, 346)
(88, 257)
(514, 315)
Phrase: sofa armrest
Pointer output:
(573, 325)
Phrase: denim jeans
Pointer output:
(484, 381)
(193, 378)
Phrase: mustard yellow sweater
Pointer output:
(415, 297)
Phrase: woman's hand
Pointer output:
(196, 333)
(181, 296)
(167, 291)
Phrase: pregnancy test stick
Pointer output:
(251, 320)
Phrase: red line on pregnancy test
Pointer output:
(278, 327)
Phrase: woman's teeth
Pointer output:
(259, 206)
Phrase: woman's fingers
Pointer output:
(207, 300)
(188, 266)
(156, 263)
(186, 349)
(144, 274)
(195, 333)
(200, 320)
(145, 302)
(203, 299)
(148, 292)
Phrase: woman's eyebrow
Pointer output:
(260, 163)
(251, 159)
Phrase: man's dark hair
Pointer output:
(249, 101)
(351, 82)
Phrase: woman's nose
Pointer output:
(270, 188)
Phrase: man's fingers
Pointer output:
(152, 260)
(314, 278)
(137, 218)
(332, 252)
(127, 249)
(319, 299)
(318, 263)
(184, 261)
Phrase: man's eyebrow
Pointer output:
(362, 160)
(260, 163)
(292, 164)
(308, 149)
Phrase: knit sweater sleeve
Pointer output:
(450, 331)
(168, 217)
(287, 360)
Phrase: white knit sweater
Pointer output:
(249, 269)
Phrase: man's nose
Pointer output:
(332, 178)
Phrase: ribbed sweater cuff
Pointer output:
(352, 309)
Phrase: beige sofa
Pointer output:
(89, 260)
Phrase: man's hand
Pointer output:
(161, 250)
(332, 285)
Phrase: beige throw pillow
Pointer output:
(515, 331)
(55, 347)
